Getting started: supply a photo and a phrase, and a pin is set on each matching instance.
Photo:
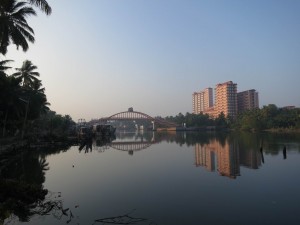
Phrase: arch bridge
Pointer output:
(134, 115)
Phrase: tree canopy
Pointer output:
(13, 25)
(268, 117)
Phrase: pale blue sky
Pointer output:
(97, 57)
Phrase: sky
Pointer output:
(100, 57)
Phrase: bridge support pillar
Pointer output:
(153, 125)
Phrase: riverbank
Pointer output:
(8, 144)
(15, 143)
(196, 129)
(283, 130)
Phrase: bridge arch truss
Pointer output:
(134, 115)
(130, 115)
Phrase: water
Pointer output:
(170, 178)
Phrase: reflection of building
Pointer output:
(202, 100)
(205, 157)
(250, 159)
(227, 157)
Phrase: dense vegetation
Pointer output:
(24, 106)
(23, 102)
(199, 120)
(269, 117)
(266, 118)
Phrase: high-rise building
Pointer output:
(196, 102)
(226, 99)
(202, 100)
(247, 100)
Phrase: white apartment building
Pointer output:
(202, 100)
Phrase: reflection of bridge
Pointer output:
(133, 142)
(133, 115)
(130, 146)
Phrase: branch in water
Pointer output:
(123, 219)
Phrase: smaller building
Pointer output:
(202, 100)
(247, 100)
(212, 113)
(289, 107)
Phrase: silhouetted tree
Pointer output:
(43, 5)
(28, 74)
(13, 25)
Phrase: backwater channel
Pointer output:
(164, 179)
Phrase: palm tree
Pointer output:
(3, 91)
(42, 4)
(13, 26)
(40, 97)
(4, 67)
(27, 74)
(37, 86)
(10, 99)
(44, 104)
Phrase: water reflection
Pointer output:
(100, 143)
(221, 156)
(125, 141)
(284, 152)
(133, 142)
(22, 193)
(226, 157)
(217, 152)
(25, 174)
(226, 154)
(262, 155)
(221, 152)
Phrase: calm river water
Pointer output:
(169, 179)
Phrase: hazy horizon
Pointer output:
(99, 58)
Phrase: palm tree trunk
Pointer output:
(25, 118)
(4, 123)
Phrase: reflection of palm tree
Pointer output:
(13, 26)
(27, 74)
(44, 166)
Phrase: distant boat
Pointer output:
(103, 130)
